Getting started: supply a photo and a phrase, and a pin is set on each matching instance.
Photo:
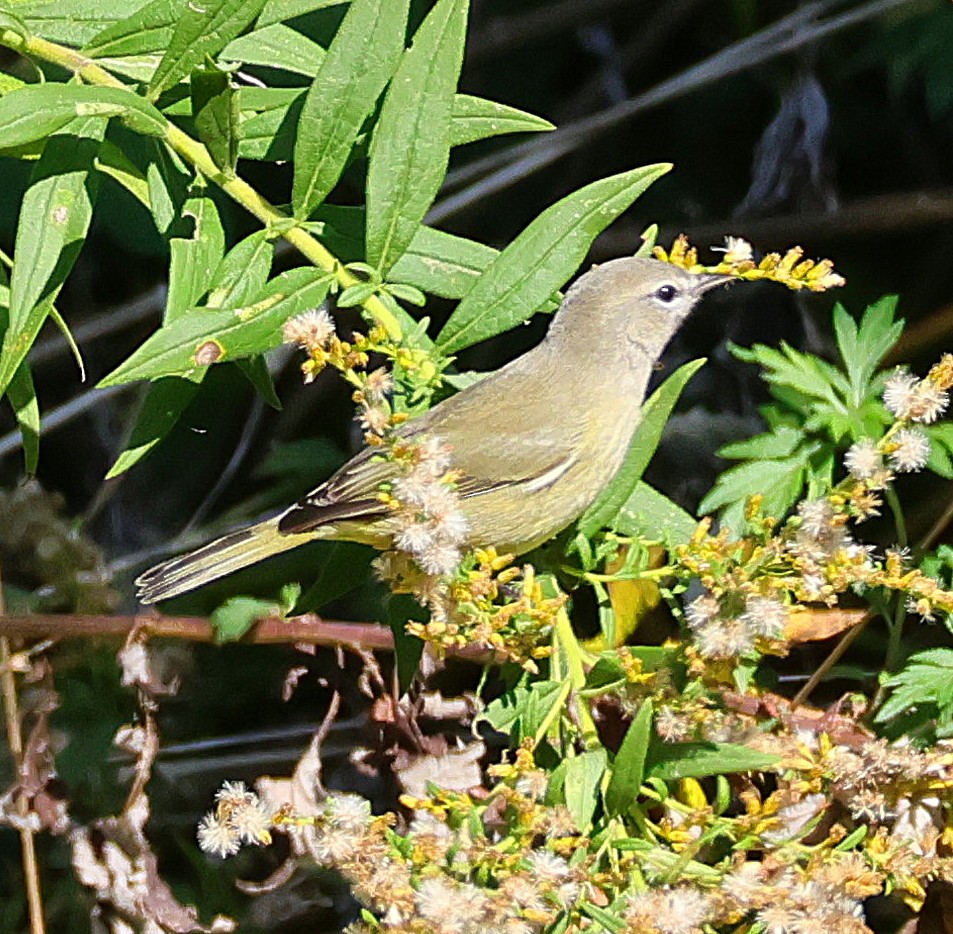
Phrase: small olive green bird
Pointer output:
(534, 443)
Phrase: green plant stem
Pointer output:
(575, 662)
(198, 156)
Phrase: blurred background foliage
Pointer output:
(828, 124)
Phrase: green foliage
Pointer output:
(819, 409)
(923, 688)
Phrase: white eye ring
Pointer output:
(667, 293)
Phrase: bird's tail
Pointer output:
(216, 559)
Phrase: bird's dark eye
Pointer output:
(666, 293)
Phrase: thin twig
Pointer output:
(11, 712)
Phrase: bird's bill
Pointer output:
(710, 280)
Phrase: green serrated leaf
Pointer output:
(359, 62)
(672, 761)
(161, 407)
(203, 336)
(35, 111)
(215, 114)
(782, 442)
(410, 146)
(55, 214)
(628, 767)
(201, 32)
(276, 46)
(237, 615)
(541, 259)
(476, 118)
(149, 29)
(604, 512)
(779, 481)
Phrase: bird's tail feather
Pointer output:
(216, 559)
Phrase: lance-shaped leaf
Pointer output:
(202, 31)
(54, 218)
(70, 22)
(277, 11)
(360, 61)
(35, 111)
(605, 511)
(628, 767)
(276, 46)
(541, 259)
(477, 118)
(149, 29)
(205, 336)
(411, 142)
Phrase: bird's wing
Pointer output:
(495, 437)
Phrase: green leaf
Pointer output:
(782, 442)
(243, 272)
(521, 711)
(442, 264)
(70, 22)
(476, 118)
(203, 336)
(628, 767)
(161, 407)
(255, 370)
(581, 783)
(112, 161)
(276, 46)
(779, 481)
(651, 515)
(541, 258)
(862, 347)
(35, 111)
(605, 511)
(215, 112)
(201, 31)
(672, 761)
(54, 217)
(926, 679)
(269, 135)
(277, 11)
(149, 29)
(168, 183)
(14, 24)
(237, 615)
(408, 649)
(411, 142)
(194, 259)
(26, 409)
(359, 62)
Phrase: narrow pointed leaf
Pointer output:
(202, 31)
(162, 406)
(35, 111)
(149, 29)
(360, 61)
(54, 217)
(411, 143)
(628, 767)
(604, 512)
(202, 336)
(652, 515)
(243, 272)
(70, 22)
(541, 259)
(276, 46)
(476, 118)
